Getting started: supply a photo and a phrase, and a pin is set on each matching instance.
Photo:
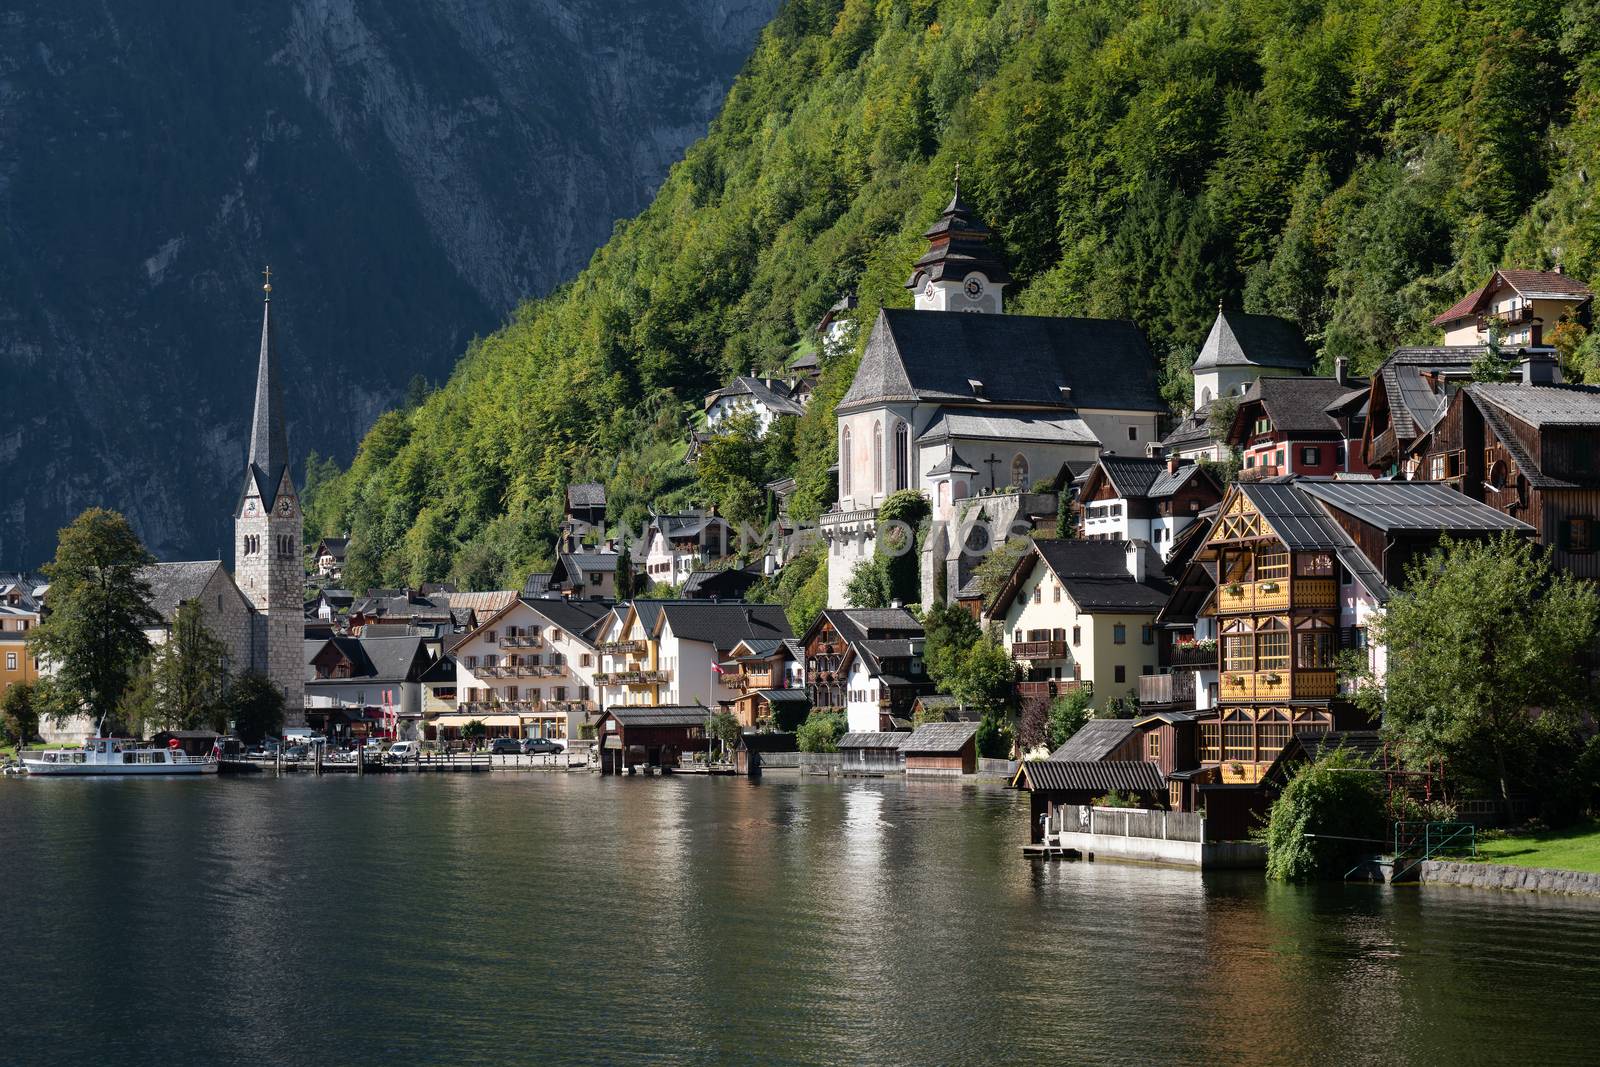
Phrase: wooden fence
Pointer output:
(1129, 822)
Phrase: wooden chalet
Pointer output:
(1407, 396)
(941, 748)
(1531, 452)
(1310, 426)
(648, 737)
(831, 647)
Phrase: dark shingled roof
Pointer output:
(173, 583)
(1135, 477)
(1095, 574)
(1071, 776)
(859, 624)
(1241, 340)
(1095, 740)
(725, 625)
(538, 583)
(269, 442)
(1020, 359)
(773, 395)
(1413, 406)
(872, 740)
(1544, 406)
(940, 737)
(784, 696)
(1297, 407)
(1053, 428)
(586, 495)
(666, 715)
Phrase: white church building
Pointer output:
(954, 398)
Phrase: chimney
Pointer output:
(976, 386)
(1066, 394)
(897, 604)
(1136, 560)
(1172, 464)
(1538, 367)
(1341, 370)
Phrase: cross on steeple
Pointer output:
(267, 288)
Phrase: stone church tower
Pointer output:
(267, 533)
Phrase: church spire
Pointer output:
(269, 445)
(960, 271)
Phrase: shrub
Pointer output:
(1118, 799)
(994, 737)
(821, 732)
(1337, 800)
(1067, 715)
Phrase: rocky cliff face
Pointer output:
(409, 168)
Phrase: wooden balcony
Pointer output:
(623, 648)
(1175, 691)
(1277, 595)
(521, 641)
(1254, 686)
(1201, 656)
(1048, 689)
(1039, 650)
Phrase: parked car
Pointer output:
(542, 746)
(505, 746)
(295, 753)
(401, 751)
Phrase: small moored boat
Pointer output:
(112, 755)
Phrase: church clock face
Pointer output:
(284, 507)
(928, 290)
(250, 507)
(973, 286)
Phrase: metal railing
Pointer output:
(1417, 842)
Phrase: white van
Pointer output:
(401, 751)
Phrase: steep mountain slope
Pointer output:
(1357, 165)
(411, 169)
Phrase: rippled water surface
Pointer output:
(510, 919)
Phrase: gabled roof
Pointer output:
(1095, 575)
(771, 394)
(1009, 426)
(1238, 339)
(1297, 407)
(586, 495)
(1414, 406)
(1410, 507)
(725, 625)
(939, 737)
(730, 583)
(1019, 359)
(337, 547)
(867, 739)
(666, 715)
(1095, 740)
(1140, 477)
(1543, 406)
(590, 561)
(173, 583)
(574, 617)
(784, 696)
(537, 584)
(952, 463)
(858, 624)
(484, 603)
(1068, 776)
(372, 659)
(1532, 284)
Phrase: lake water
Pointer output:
(547, 918)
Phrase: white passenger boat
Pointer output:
(111, 755)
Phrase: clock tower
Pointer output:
(959, 272)
(267, 534)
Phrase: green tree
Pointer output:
(821, 732)
(995, 569)
(993, 739)
(190, 670)
(93, 638)
(1068, 713)
(870, 585)
(1329, 814)
(474, 731)
(625, 575)
(985, 676)
(255, 707)
(948, 634)
(1487, 647)
(731, 470)
(19, 714)
(724, 728)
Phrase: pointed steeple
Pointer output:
(958, 248)
(269, 444)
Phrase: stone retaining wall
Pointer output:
(1499, 876)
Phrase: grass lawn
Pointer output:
(1574, 849)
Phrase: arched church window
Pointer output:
(844, 461)
(902, 456)
(1019, 471)
(1205, 396)
(877, 457)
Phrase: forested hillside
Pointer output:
(1357, 166)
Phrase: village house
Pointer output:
(21, 608)
(675, 546)
(953, 404)
(1529, 451)
(1133, 498)
(762, 673)
(1240, 350)
(585, 575)
(1310, 426)
(1302, 567)
(329, 556)
(330, 605)
(649, 737)
(866, 662)
(941, 749)
(730, 583)
(1082, 613)
(673, 652)
(833, 331)
(765, 399)
(367, 686)
(585, 515)
(1522, 306)
(530, 669)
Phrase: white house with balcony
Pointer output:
(765, 399)
(674, 652)
(529, 670)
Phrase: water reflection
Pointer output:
(564, 919)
